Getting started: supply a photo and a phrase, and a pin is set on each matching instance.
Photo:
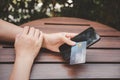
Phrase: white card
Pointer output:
(78, 53)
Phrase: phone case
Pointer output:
(88, 35)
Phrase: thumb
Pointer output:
(41, 37)
(68, 41)
(18, 36)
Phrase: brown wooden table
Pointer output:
(103, 58)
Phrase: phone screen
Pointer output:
(88, 35)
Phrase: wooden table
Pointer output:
(103, 58)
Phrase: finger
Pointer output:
(17, 36)
(37, 33)
(41, 37)
(25, 30)
(71, 35)
(68, 41)
(31, 31)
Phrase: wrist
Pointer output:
(24, 59)
(24, 56)
(44, 40)
(22, 66)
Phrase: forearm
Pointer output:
(22, 68)
(8, 31)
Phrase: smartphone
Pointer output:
(89, 35)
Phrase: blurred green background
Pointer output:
(22, 11)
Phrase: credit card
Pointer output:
(78, 53)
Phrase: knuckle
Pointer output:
(30, 39)
(63, 33)
(32, 27)
(37, 30)
(22, 36)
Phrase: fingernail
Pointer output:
(74, 43)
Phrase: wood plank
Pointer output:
(76, 29)
(1, 46)
(93, 55)
(64, 71)
(103, 58)
(105, 42)
(71, 24)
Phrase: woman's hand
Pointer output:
(55, 40)
(27, 46)
(28, 43)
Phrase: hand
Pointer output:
(27, 46)
(55, 40)
(28, 43)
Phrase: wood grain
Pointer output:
(76, 29)
(105, 42)
(1, 46)
(103, 58)
(64, 71)
(64, 24)
(93, 55)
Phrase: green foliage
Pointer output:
(21, 11)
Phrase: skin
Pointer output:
(27, 46)
(52, 41)
(28, 42)
(55, 40)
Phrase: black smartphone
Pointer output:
(88, 35)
